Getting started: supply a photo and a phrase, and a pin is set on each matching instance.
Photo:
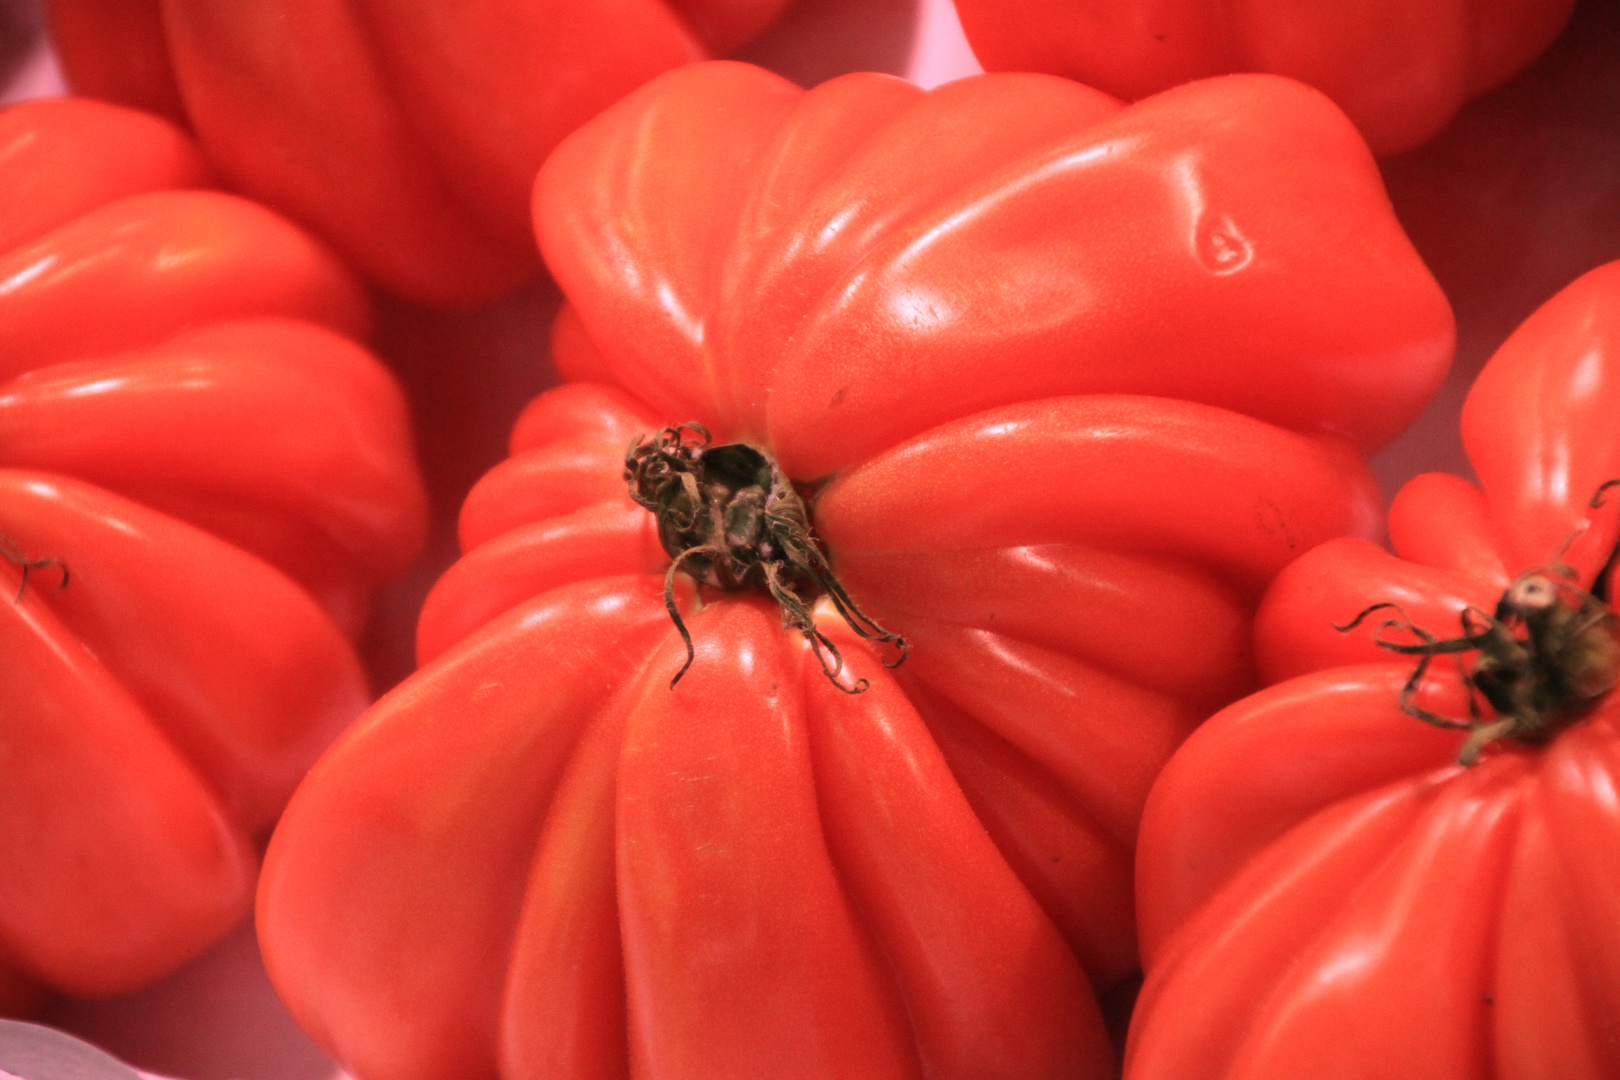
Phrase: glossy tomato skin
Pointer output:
(202, 479)
(1055, 495)
(926, 269)
(1398, 69)
(1316, 861)
(406, 134)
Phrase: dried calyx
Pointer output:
(1546, 657)
(12, 553)
(730, 518)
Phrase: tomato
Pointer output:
(406, 134)
(1516, 198)
(1315, 861)
(202, 479)
(1066, 382)
(1400, 69)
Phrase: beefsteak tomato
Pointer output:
(1398, 68)
(406, 134)
(202, 478)
(1324, 888)
(1067, 383)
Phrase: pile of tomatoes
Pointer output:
(939, 616)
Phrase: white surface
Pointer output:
(34, 1052)
(939, 51)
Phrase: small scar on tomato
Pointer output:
(839, 395)
(1490, 999)
(1273, 522)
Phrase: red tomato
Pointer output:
(947, 313)
(1398, 68)
(407, 134)
(1517, 197)
(1324, 890)
(202, 478)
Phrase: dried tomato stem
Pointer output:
(730, 518)
(1547, 656)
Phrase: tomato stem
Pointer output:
(1547, 656)
(729, 517)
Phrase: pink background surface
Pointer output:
(1517, 198)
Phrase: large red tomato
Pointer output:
(407, 134)
(1398, 68)
(202, 479)
(1326, 887)
(1066, 383)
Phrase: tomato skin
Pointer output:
(750, 872)
(212, 478)
(1181, 206)
(143, 831)
(1400, 70)
(1539, 431)
(1315, 859)
(50, 180)
(410, 820)
(407, 135)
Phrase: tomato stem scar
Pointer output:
(729, 517)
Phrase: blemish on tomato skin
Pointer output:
(838, 396)
(1221, 245)
(1271, 521)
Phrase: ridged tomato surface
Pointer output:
(203, 478)
(1066, 382)
(1323, 889)
(1400, 69)
(405, 134)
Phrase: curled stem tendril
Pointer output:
(13, 553)
(1545, 657)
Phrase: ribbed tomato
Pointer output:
(202, 480)
(1331, 886)
(1063, 384)
(1398, 68)
(406, 134)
